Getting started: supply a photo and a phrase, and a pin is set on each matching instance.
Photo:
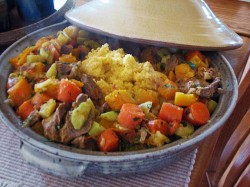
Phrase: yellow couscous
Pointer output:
(115, 70)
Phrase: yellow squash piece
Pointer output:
(182, 99)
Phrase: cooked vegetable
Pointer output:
(68, 91)
(47, 108)
(184, 131)
(20, 92)
(80, 115)
(108, 141)
(73, 89)
(172, 127)
(197, 114)
(117, 98)
(96, 129)
(211, 105)
(170, 112)
(25, 109)
(197, 58)
(168, 89)
(130, 115)
(182, 99)
(158, 139)
(39, 99)
(111, 116)
(184, 71)
(158, 125)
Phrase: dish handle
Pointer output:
(52, 163)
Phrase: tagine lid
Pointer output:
(188, 24)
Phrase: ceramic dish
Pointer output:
(68, 161)
(8, 37)
(186, 24)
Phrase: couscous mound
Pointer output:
(115, 70)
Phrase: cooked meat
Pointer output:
(91, 89)
(53, 124)
(149, 54)
(208, 73)
(63, 69)
(79, 142)
(75, 73)
(32, 119)
(210, 90)
(80, 98)
(66, 49)
(67, 70)
(68, 133)
(173, 61)
(104, 108)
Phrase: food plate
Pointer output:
(174, 23)
(67, 161)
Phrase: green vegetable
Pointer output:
(185, 131)
(96, 129)
(211, 105)
(51, 71)
(47, 108)
(111, 116)
(35, 58)
(80, 115)
(44, 53)
(63, 38)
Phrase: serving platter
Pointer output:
(186, 24)
(67, 161)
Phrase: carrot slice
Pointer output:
(197, 114)
(130, 115)
(25, 109)
(191, 54)
(39, 99)
(170, 113)
(168, 89)
(108, 141)
(158, 125)
(68, 91)
(20, 92)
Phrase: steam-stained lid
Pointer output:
(188, 24)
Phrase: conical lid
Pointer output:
(186, 24)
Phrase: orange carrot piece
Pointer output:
(39, 99)
(130, 115)
(191, 54)
(197, 114)
(168, 89)
(20, 92)
(158, 125)
(25, 109)
(170, 112)
(108, 141)
(68, 91)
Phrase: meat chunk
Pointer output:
(80, 98)
(210, 90)
(85, 143)
(68, 133)
(91, 89)
(32, 119)
(68, 70)
(52, 124)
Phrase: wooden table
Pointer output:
(236, 15)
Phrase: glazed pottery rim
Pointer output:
(85, 155)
